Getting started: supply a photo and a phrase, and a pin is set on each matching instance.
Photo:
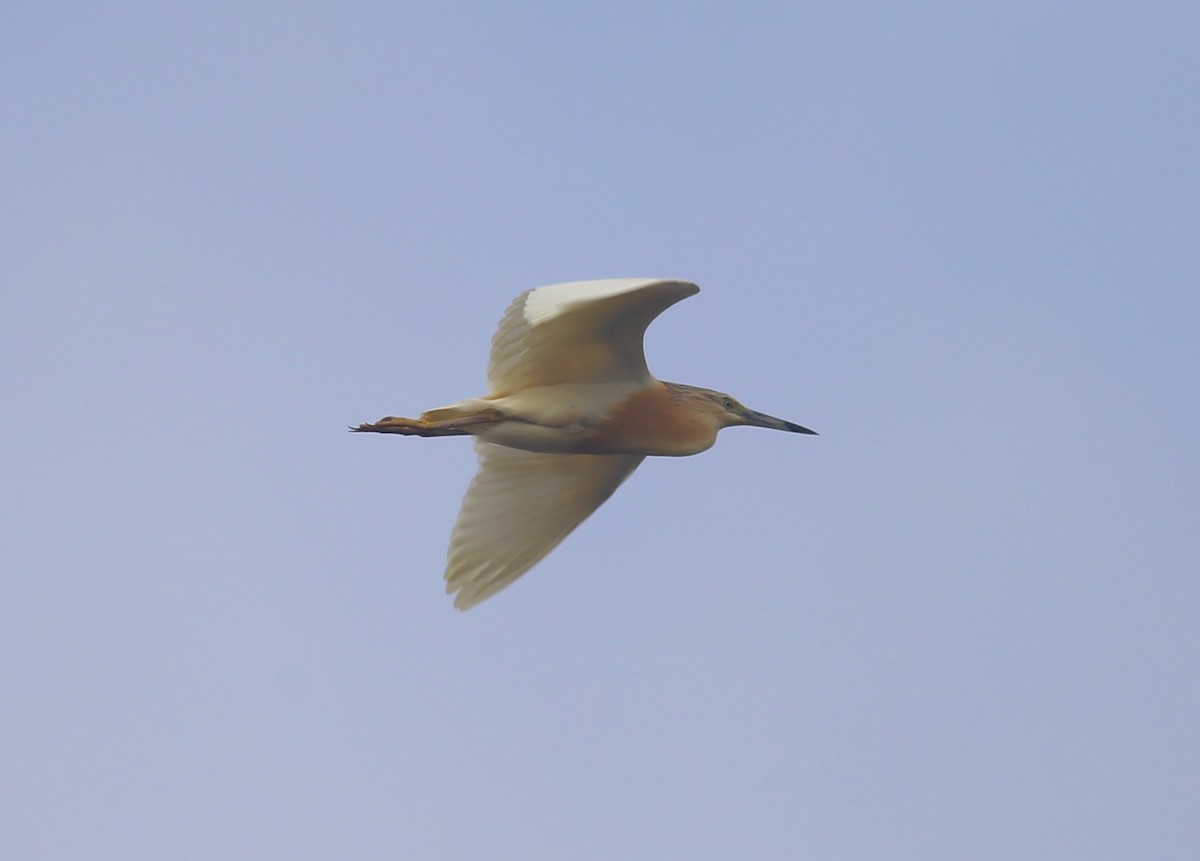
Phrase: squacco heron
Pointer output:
(571, 412)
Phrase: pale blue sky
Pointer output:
(960, 240)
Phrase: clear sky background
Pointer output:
(961, 240)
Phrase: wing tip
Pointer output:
(545, 303)
(468, 594)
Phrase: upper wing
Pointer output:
(519, 506)
(579, 332)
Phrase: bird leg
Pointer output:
(425, 427)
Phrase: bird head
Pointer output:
(729, 412)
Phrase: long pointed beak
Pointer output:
(762, 420)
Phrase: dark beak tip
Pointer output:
(795, 428)
(763, 420)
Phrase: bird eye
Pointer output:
(727, 403)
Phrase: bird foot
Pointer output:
(425, 427)
(395, 424)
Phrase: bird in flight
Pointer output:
(571, 411)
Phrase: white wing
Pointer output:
(519, 506)
(579, 332)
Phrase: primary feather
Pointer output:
(579, 332)
(519, 506)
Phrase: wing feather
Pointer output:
(579, 332)
(519, 506)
